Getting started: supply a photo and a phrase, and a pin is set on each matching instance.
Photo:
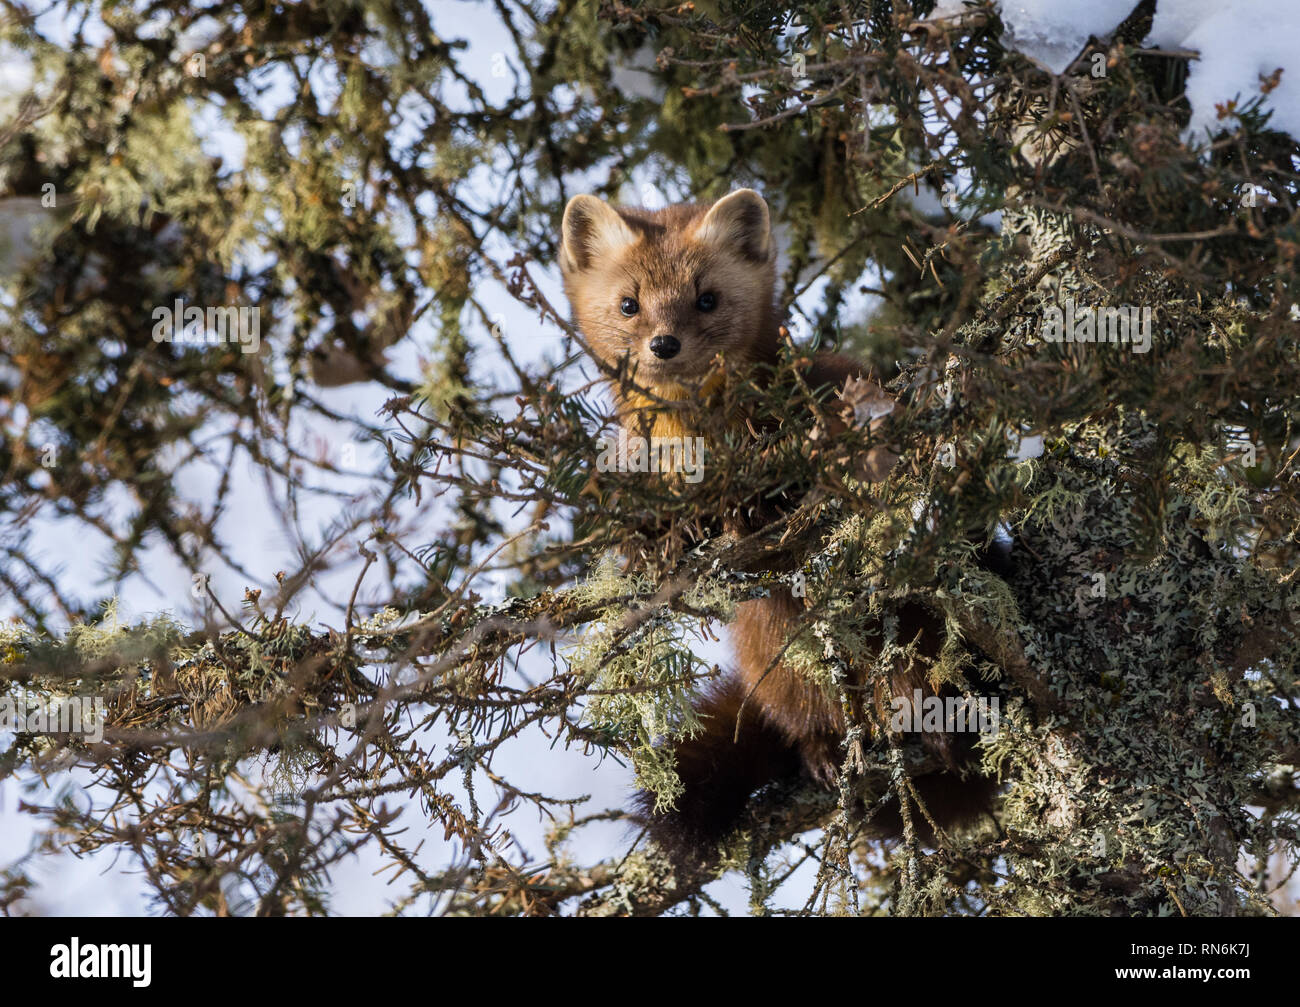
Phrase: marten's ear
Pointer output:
(591, 229)
(740, 222)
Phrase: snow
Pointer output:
(1238, 44)
(1052, 31)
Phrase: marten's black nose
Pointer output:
(664, 347)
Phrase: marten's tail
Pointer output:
(951, 800)
(720, 769)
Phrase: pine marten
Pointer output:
(670, 290)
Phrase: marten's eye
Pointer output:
(629, 306)
(706, 302)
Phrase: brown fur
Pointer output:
(763, 724)
(665, 259)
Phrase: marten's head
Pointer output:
(670, 289)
